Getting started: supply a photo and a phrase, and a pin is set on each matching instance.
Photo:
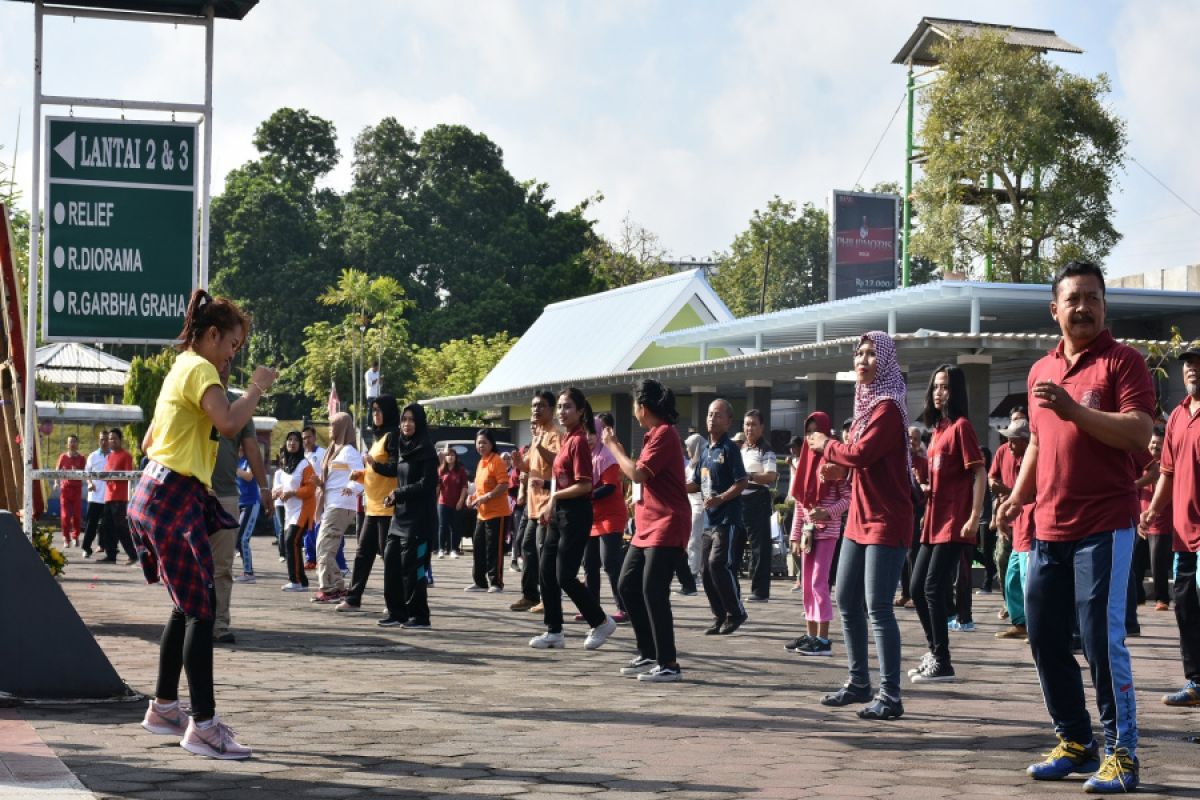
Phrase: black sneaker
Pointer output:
(733, 623)
(935, 673)
(795, 644)
(389, 622)
(637, 665)
(715, 628)
(884, 707)
(816, 646)
(847, 695)
(757, 598)
(416, 625)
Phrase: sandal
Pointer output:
(846, 695)
(883, 708)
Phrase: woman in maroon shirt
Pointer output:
(452, 498)
(879, 527)
(957, 479)
(663, 519)
(568, 521)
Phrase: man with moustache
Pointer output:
(1091, 406)
(1176, 488)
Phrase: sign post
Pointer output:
(121, 220)
(862, 243)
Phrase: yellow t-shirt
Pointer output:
(185, 440)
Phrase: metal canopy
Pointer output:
(934, 30)
(941, 306)
(787, 367)
(222, 9)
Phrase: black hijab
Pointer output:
(419, 447)
(391, 415)
(289, 461)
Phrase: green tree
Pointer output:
(455, 368)
(373, 326)
(142, 387)
(920, 269)
(275, 239)
(798, 273)
(636, 255)
(1045, 141)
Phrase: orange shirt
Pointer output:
(491, 473)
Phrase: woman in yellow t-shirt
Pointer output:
(172, 514)
(378, 478)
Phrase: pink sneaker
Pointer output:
(620, 616)
(214, 741)
(167, 721)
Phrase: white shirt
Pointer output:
(292, 483)
(277, 483)
(757, 461)
(314, 458)
(347, 460)
(96, 461)
(374, 382)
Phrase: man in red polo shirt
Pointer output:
(1091, 405)
(1177, 488)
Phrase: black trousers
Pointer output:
(756, 519)
(1161, 560)
(116, 524)
(405, 584)
(563, 543)
(718, 571)
(687, 581)
(906, 572)
(295, 556)
(487, 551)
(932, 578)
(187, 644)
(371, 539)
(1187, 615)
(645, 586)
(530, 580)
(962, 586)
(986, 549)
(605, 551)
(94, 525)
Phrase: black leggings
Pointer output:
(645, 585)
(1162, 559)
(405, 588)
(295, 556)
(562, 547)
(529, 551)
(371, 537)
(604, 550)
(933, 576)
(187, 644)
(487, 551)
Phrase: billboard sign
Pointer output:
(120, 220)
(863, 243)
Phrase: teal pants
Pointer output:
(1014, 587)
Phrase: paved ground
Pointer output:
(336, 707)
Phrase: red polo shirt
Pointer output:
(1181, 450)
(881, 509)
(663, 515)
(117, 491)
(1162, 523)
(1083, 485)
(953, 456)
(1006, 466)
(608, 513)
(574, 460)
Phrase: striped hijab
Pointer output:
(888, 385)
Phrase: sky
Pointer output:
(685, 115)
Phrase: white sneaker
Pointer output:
(441, 554)
(214, 741)
(295, 587)
(495, 589)
(548, 641)
(599, 634)
(474, 588)
(454, 554)
(926, 660)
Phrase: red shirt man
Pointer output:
(116, 491)
(70, 495)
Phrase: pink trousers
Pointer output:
(815, 571)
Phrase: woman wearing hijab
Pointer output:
(605, 547)
(822, 495)
(414, 520)
(879, 527)
(298, 491)
(337, 505)
(378, 480)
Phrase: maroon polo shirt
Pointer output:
(953, 456)
(1162, 523)
(573, 463)
(1181, 449)
(1083, 485)
(881, 510)
(1006, 466)
(663, 516)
